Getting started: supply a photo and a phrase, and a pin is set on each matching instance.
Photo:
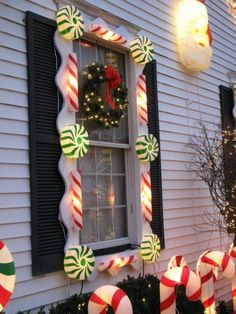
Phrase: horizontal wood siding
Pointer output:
(183, 100)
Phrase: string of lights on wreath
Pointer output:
(105, 108)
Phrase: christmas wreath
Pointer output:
(104, 103)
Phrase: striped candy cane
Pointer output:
(73, 94)
(77, 199)
(177, 261)
(205, 268)
(233, 282)
(107, 34)
(146, 194)
(142, 99)
(113, 266)
(172, 278)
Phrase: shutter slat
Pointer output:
(47, 187)
(153, 128)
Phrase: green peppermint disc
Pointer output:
(79, 262)
(7, 275)
(74, 141)
(147, 147)
(142, 49)
(150, 248)
(70, 22)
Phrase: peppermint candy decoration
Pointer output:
(74, 141)
(150, 248)
(70, 22)
(79, 262)
(147, 147)
(142, 49)
(7, 275)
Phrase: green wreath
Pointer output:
(105, 107)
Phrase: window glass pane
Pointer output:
(88, 53)
(104, 196)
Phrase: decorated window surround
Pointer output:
(66, 166)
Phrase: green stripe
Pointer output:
(7, 269)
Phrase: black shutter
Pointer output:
(227, 104)
(153, 128)
(46, 184)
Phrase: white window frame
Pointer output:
(138, 227)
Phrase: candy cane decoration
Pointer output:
(174, 277)
(177, 261)
(73, 94)
(233, 282)
(142, 99)
(111, 295)
(107, 34)
(113, 266)
(146, 195)
(205, 268)
(77, 199)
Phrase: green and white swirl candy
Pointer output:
(79, 262)
(74, 141)
(141, 49)
(147, 147)
(150, 248)
(70, 22)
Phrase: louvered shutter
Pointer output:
(227, 104)
(153, 128)
(46, 184)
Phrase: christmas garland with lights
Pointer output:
(105, 107)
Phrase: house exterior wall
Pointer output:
(183, 100)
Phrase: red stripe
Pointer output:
(78, 223)
(168, 302)
(208, 261)
(185, 275)
(74, 105)
(78, 211)
(116, 298)
(76, 181)
(74, 74)
(234, 292)
(96, 299)
(206, 277)
(209, 301)
(1, 245)
(72, 59)
(74, 90)
(178, 260)
(168, 282)
(196, 295)
(146, 181)
(225, 261)
(4, 296)
(233, 253)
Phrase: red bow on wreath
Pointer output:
(113, 81)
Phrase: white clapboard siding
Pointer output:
(184, 99)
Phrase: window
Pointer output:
(104, 167)
(111, 221)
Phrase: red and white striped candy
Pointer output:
(177, 261)
(206, 269)
(73, 94)
(233, 282)
(107, 34)
(77, 199)
(111, 295)
(146, 195)
(172, 278)
(113, 265)
(142, 99)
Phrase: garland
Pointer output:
(106, 110)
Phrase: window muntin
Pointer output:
(103, 169)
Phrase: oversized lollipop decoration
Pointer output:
(79, 262)
(147, 147)
(150, 248)
(70, 22)
(7, 275)
(74, 141)
(142, 49)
